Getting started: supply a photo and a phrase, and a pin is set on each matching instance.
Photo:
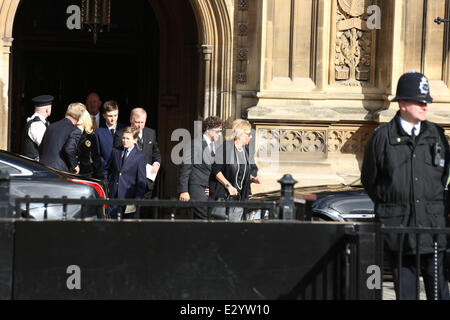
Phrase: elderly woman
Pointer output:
(88, 155)
(234, 169)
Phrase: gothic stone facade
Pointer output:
(315, 77)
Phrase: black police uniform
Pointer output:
(405, 177)
(29, 148)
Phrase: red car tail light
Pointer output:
(98, 188)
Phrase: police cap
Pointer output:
(413, 86)
(43, 100)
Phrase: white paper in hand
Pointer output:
(149, 174)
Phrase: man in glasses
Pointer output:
(196, 167)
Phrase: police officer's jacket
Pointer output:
(406, 180)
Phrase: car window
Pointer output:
(13, 170)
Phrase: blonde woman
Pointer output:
(234, 169)
(88, 155)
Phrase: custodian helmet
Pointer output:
(413, 86)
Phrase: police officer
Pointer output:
(404, 172)
(36, 126)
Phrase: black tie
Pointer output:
(112, 132)
(47, 123)
(413, 134)
(140, 143)
(124, 156)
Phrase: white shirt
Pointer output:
(127, 150)
(208, 141)
(408, 126)
(37, 129)
(113, 127)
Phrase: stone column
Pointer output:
(207, 73)
(5, 46)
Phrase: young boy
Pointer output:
(126, 170)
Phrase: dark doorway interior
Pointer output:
(48, 58)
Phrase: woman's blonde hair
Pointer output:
(87, 122)
(238, 128)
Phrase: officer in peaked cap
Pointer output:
(36, 125)
(404, 172)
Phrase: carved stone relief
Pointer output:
(354, 47)
(348, 140)
(242, 41)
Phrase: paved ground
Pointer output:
(389, 292)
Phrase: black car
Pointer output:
(30, 178)
(339, 203)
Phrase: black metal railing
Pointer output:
(97, 207)
(417, 233)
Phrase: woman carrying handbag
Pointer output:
(233, 170)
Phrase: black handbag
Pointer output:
(234, 213)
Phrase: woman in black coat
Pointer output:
(88, 155)
(234, 169)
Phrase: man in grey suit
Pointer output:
(196, 166)
(146, 143)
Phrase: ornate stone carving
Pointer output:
(292, 141)
(348, 141)
(242, 28)
(302, 141)
(241, 77)
(243, 53)
(242, 42)
(353, 52)
(354, 8)
(243, 5)
(314, 141)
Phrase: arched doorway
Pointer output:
(123, 65)
(194, 41)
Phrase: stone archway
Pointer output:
(214, 26)
(8, 10)
(215, 33)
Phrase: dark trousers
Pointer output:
(197, 192)
(149, 212)
(408, 274)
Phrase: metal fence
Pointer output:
(98, 207)
(340, 273)
(417, 233)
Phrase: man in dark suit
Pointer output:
(59, 145)
(146, 143)
(196, 167)
(93, 104)
(105, 135)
